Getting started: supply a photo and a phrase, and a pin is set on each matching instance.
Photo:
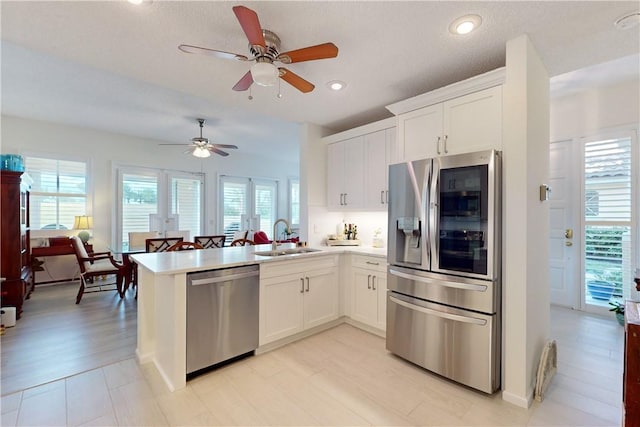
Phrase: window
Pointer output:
(158, 200)
(58, 193)
(247, 204)
(294, 202)
(608, 219)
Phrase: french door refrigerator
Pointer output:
(444, 296)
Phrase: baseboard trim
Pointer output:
(514, 399)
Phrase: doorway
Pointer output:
(593, 223)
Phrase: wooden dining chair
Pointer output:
(209, 242)
(184, 246)
(94, 266)
(161, 244)
(242, 242)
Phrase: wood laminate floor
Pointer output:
(341, 377)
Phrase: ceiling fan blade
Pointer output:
(174, 144)
(235, 147)
(321, 51)
(244, 82)
(295, 80)
(215, 150)
(250, 25)
(187, 48)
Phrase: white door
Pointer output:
(354, 173)
(335, 171)
(320, 297)
(364, 298)
(564, 251)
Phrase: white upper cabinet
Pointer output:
(357, 166)
(345, 173)
(380, 152)
(460, 118)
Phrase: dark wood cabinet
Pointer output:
(631, 376)
(15, 251)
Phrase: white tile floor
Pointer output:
(341, 377)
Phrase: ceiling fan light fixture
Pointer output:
(265, 73)
(201, 152)
(627, 21)
(465, 24)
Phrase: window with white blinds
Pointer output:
(58, 193)
(294, 203)
(139, 200)
(247, 204)
(608, 257)
(159, 200)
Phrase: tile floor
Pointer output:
(341, 377)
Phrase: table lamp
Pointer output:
(83, 223)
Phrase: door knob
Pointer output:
(568, 233)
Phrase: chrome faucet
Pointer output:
(274, 245)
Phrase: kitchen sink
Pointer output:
(281, 252)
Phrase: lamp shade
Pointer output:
(265, 74)
(83, 222)
(201, 152)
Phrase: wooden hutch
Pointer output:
(15, 253)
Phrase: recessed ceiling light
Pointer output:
(140, 2)
(465, 24)
(336, 85)
(627, 21)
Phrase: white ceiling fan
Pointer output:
(201, 147)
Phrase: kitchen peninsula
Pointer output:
(308, 284)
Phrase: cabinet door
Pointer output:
(380, 283)
(375, 170)
(320, 297)
(335, 175)
(419, 133)
(364, 307)
(473, 122)
(281, 305)
(353, 173)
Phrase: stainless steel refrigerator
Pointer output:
(444, 287)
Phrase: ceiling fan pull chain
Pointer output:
(250, 96)
(279, 93)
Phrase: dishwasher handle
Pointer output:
(210, 280)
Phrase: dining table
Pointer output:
(124, 250)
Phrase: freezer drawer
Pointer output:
(222, 315)
(465, 293)
(458, 344)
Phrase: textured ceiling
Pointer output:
(114, 66)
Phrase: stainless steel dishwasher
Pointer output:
(222, 315)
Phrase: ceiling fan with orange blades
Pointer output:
(264, 47)
(201, 147)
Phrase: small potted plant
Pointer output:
(618, 308)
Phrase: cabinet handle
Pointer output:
(438, 146)
(382, 197)
(302, 287)
(445, 144)
(373, 263)
(341, 194)
(307, 283)
(369, 281)
(373, 281)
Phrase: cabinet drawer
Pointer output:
(297, 266)
(369, 262)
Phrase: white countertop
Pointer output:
(212, 259)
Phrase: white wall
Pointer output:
(525, 284)
(104, 151)
(582, 113)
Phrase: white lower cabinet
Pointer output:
(296, 295)
(369, 291)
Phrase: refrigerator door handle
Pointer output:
(464, 286)
(438, 313)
